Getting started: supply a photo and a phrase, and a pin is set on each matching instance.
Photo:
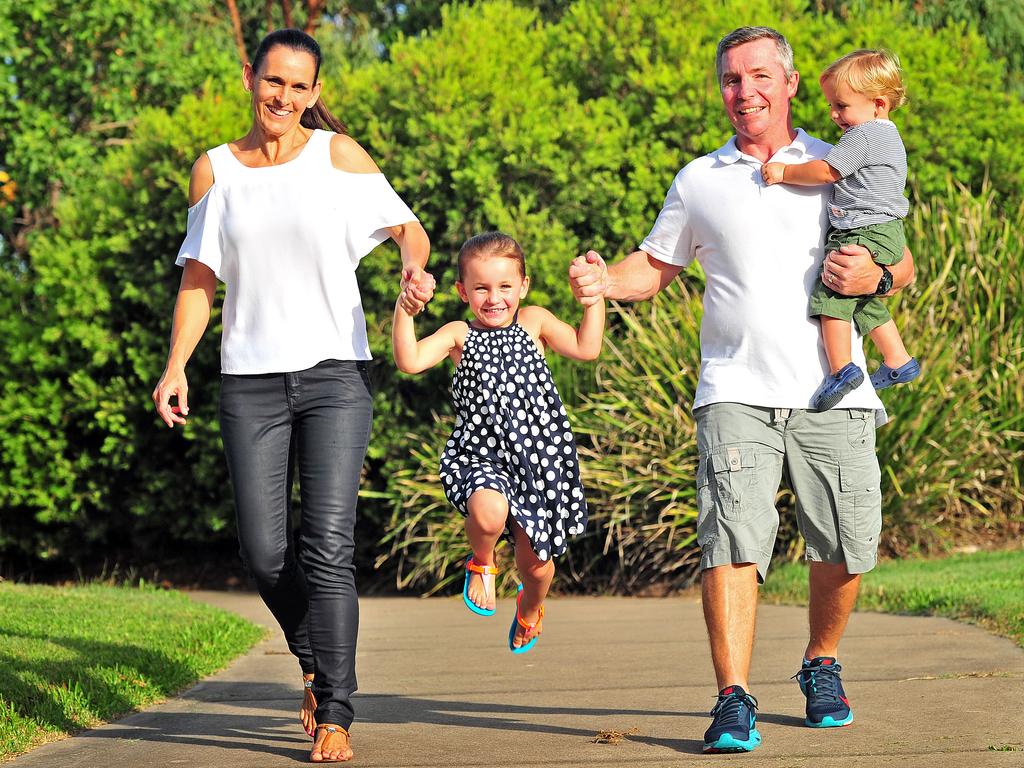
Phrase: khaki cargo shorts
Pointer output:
(829, 461)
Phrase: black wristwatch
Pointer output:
(885, 283)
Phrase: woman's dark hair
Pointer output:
(317, 116)
(491, 244)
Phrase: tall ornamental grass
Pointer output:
(951, 456)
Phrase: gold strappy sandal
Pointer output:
(333, 732)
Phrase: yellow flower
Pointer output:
(7, 188)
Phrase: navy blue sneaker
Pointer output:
(827, 705)
(886, 376)
(837, 386)
(734, 727)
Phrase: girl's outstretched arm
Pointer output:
(412, 356)
(579, 344)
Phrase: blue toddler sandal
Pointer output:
(519, 622)
(486, 572)
(887, 377)
(837, 386)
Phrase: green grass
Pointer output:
(72, 657)
(985, 588)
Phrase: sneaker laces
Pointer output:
(823, 680)
(727, 709)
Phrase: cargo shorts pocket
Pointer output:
(731, 476)
(707, 529)
(860, 429)
(860, 502)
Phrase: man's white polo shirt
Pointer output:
(761, 250)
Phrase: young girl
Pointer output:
(869, 168)
(510, 465)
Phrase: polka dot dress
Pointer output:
(512, 435)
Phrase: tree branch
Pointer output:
(313, 10)
(236, 22)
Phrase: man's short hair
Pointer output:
(748, 35)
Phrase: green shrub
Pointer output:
(566, 133)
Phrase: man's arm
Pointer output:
(637, 277)
(850, 271)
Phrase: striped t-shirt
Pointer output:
(873, 163)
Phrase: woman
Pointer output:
(282, 216)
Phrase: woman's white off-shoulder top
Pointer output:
(286, 240)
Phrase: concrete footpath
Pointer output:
(439, 688)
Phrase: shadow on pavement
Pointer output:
(250, 733)
(277, 735)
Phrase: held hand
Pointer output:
(850, 271)
(773, 173)
(588, 277)
(172, 384)
(417, 289)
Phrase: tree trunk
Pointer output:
(236, 23)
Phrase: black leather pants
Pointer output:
(318, 421)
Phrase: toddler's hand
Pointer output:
(772, 172)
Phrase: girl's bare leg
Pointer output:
(536, 575)
(485, 523)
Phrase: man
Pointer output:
(761, 362)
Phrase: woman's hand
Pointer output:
(172, 384)
(417, 289)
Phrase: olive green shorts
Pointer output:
(886, 242)
(828, 460)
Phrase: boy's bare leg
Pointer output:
(833, 593)
(889, 343)
(729, 597)
(485, 523)
(835, 334)
(536, 575)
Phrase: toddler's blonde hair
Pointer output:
(872, 73)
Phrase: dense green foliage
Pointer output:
(982, 588)
(74, 75)
(563, 128)
(1001, 23)
(73, 656)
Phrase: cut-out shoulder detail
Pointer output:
(201, 180)
(347, 155)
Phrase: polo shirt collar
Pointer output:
(730, 153)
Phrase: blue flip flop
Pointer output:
(518, 621)
(484, 570)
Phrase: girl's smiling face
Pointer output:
(493, 288)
